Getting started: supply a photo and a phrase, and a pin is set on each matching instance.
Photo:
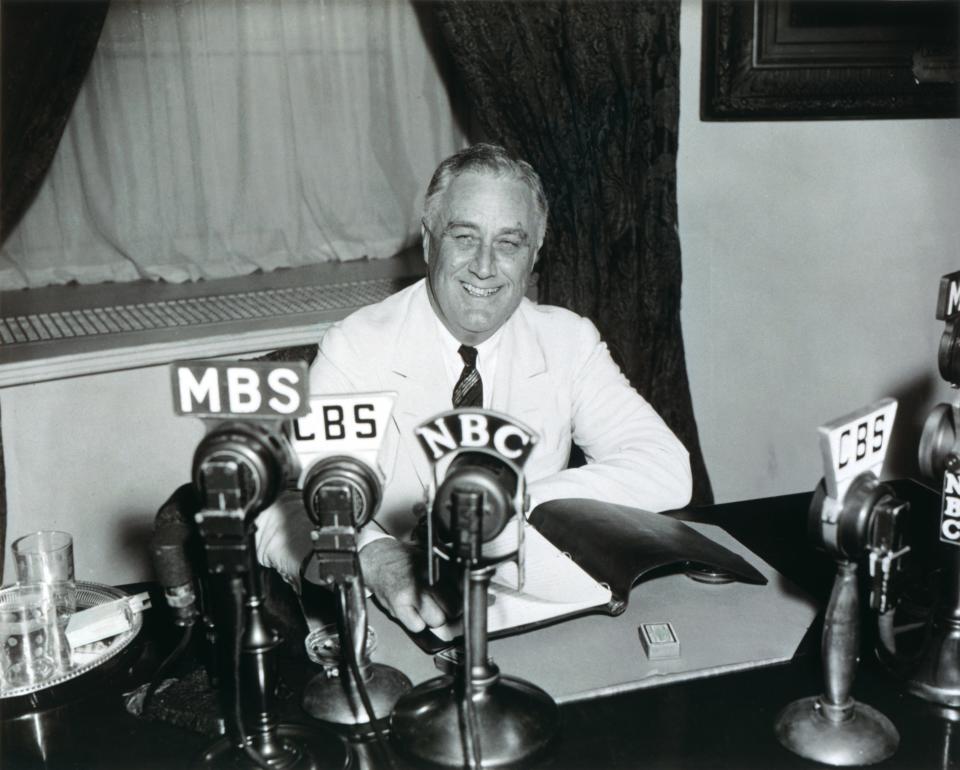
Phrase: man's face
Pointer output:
(480, 251)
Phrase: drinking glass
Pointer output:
(47, 557)
(28, 630)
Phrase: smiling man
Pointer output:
(481, 234)
(468, 336)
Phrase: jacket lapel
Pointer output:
(521, 372)
(418, 375)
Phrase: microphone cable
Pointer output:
(236, 588)
(350, 654)
(166, 665)
(169, 554)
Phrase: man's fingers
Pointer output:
(390, 570)
(420, 612)
(431, 611)
(410, 618)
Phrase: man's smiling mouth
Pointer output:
(475, 291)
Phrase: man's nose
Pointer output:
(484, 264)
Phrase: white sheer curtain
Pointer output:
(215, 137)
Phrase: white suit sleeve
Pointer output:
(283, 529)
(339, 369)
(282, 536)
(633, 458)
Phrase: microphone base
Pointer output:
(336, 701)
(937, 679)
(300, 748)
(515, 720)
(863, 737)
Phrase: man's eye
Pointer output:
(464, 239)
(508, 247)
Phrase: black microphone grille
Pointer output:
(168, 549)
(343, 483)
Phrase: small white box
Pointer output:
(659, 640)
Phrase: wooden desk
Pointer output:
(721, 722)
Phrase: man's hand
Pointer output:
(283, 537)
(394, 571)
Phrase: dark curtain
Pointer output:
(588, 93)
(3, 509)
(46, 51)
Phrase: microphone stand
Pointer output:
(354, 693)
(937, 679)
(833, 727)
(238, 472)
(476, 717)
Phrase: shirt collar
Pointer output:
(452, 344)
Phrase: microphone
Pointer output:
(475, 716)
(241, 466)
(168, 547)
(341, 484)
(477, 486)
(341, 494)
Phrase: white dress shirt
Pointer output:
(488, 353)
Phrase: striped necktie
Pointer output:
(469, 388)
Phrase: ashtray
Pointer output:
(323, 646)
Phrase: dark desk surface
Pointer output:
(718, 722)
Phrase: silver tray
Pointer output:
(88, 595)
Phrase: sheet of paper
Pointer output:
(553, 586)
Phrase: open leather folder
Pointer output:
(584, 556)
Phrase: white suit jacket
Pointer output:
(554, 374)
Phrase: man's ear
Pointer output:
(425, 241)
(536, 254)
(536, 257)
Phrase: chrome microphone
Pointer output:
(240, 467)
(344, 477)
(476, 716)
(495, 484)
(853, 517)
(338, 445)
(937, 678)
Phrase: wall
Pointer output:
(812, 253)
(95, 456)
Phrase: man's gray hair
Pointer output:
(492, 159)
